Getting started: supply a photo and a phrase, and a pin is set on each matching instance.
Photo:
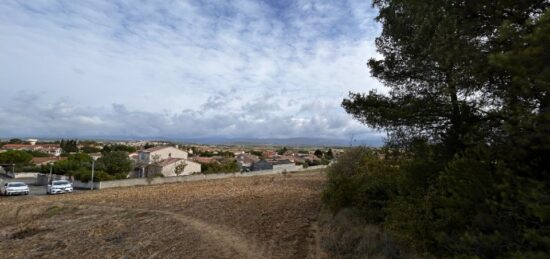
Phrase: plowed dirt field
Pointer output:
(248, 217)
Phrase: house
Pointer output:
(168, 167)
(51, 149)
(164, 160)
(157, 154)
(46, 160)
(205, 160)
(261, 165)
(269, 153)
(245, 161)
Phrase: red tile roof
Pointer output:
(153, 149)
(44, 160)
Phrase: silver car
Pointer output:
(59, 186)
(15, 188)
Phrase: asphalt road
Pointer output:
(34, 189)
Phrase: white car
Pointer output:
(59, 186)
(15, 188)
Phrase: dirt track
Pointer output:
(256, 217)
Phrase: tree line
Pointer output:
(464, 170)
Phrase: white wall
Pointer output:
(164, 153)
(288, 167)
(191, 167)
(186, 178)
(81, 185)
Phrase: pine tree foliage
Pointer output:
(468, 105)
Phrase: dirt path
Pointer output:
(231, 242)
(256, 217)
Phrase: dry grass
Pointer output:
(252, 217)
(346, 235)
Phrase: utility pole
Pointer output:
(93, 165)
(50, 173)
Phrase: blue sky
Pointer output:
(262, 69)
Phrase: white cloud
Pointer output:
(173, 68)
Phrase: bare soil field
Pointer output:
(249, 217)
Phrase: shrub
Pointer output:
(86, 176)
(364, 179)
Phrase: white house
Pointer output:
(169, 167)
(164, 160)
(157, 154)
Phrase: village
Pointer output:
(91, 164)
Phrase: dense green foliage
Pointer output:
(115, 162)
(36, 153)
(118, 147)
(363, 179)
(90, 149)
(316, 162)
(69, 145)
(255, 152)
(206, 153)
(15, 157)
(229, 166)
(468, 111)
(282, 151)
(15, 141)
(73, 163)
(114, 165)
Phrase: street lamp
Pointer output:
(93, 167)
(50, 173)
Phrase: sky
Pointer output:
(184, 69)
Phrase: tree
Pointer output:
(318, 153)
(115, 162)
(468, 101)
(15, 157)
(329, 155)
(282, 151)
(15, 141)
(180, 167)
(118, 147)
(90, 149)
(149, 145)
(69, 145)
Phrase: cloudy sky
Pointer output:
(261, 69)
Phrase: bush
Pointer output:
(86, 176)
(347, 234)
(229, 166)
(363, 180)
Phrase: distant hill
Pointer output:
(375, 141)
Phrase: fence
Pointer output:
(184, 178)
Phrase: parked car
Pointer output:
(59, 186)
(15, 188)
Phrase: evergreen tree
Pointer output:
(469, 101)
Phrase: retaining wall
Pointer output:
(44, 179)
(184, 178)
(19, 174)
(81, 185)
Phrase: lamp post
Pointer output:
(93, 165)
(50, 173)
